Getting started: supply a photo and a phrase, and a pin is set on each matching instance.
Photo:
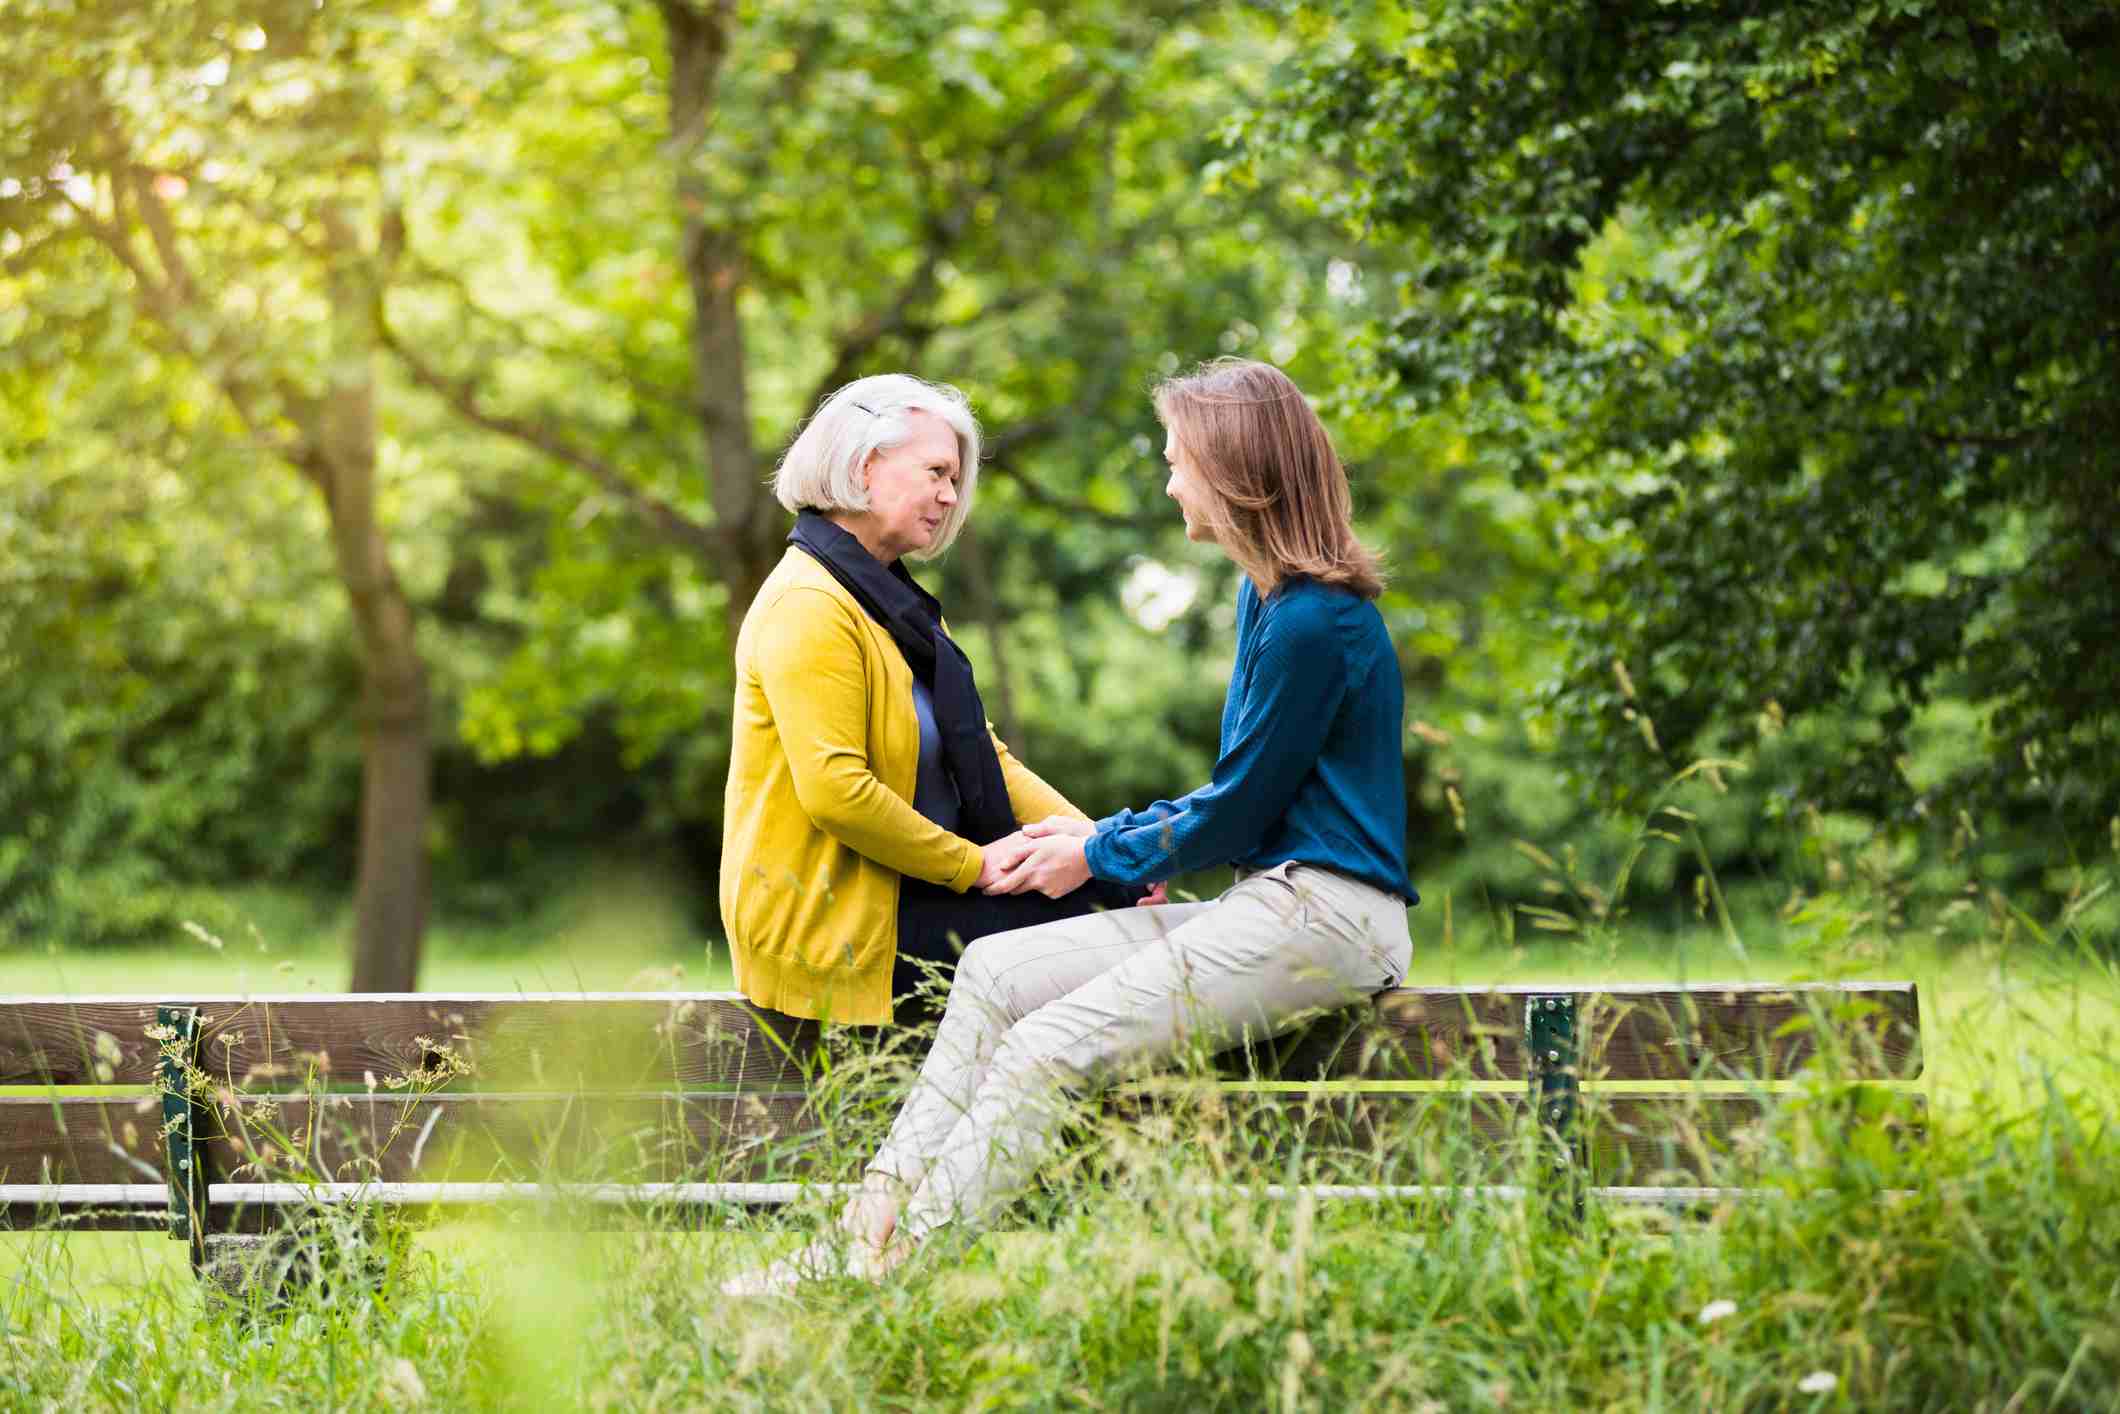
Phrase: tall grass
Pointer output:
(1978, 1270)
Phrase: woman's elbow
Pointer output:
(829, 803)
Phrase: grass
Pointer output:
(628, 929)
(1995, 1285)
(1991, 1287)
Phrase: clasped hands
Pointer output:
(1047, 856)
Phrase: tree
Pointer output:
(623, 248)
(762, 202)
(160, 677)
(1813, 312)
(212, 179)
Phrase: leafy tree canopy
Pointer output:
(1812, 313)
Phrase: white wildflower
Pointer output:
(402, 1385)
(1818, 1382)
(1716, 1310)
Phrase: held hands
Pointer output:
(1055, 865)
(1054, 862)
(1035, 857)
(1048, 856)
(996, 859)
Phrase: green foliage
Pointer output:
(175, 670)
(1807, 310)
(1609, 250)
(1000, 196)
(170, 696)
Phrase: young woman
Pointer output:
(1307, 801)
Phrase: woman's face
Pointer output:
(912, 487)
(1185, 487)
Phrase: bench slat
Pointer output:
(1632, 1137)
(1393, 1136)
(582, 1041)
(354, 1138)
(1871, 1030)
(620, 1041)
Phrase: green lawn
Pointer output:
(631, 929)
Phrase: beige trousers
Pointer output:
(1068, 1006)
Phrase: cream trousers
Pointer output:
(1068, 1006)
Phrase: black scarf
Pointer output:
(914, 619)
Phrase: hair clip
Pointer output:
(865, 408)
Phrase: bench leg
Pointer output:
(1555, 1075)
(183, 1116)
(326, 1252)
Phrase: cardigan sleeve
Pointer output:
(812, 672)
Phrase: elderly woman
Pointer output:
(1307, 801)
(867, 795)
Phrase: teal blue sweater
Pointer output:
(1310, 768)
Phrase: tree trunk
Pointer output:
(390, 898)
(746, 519)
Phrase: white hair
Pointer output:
(822, 470)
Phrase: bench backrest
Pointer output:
(668, 1086)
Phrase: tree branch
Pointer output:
(20, 262)
(461, 394)
(166, 300)
(155, 216)
(857, 343)
(1022, 436)
(944, 228)
(517, 335)
(112, 238)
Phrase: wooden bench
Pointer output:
(208, 1116)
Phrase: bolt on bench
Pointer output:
(213, 1116)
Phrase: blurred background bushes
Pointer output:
(1543, 361)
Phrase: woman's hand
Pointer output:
(997, 859)
(1056, 865)
(1060, 825)
(1159, 893)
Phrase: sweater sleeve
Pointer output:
(810, 668)
(1147, 815)
(1297, 680)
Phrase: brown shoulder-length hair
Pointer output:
(1282, 504)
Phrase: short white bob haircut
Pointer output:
(822, 469)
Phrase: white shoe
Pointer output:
(832, 1256)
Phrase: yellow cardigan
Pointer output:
(818, 823)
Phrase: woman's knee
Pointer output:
(1033, 1054)
(978, 979)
